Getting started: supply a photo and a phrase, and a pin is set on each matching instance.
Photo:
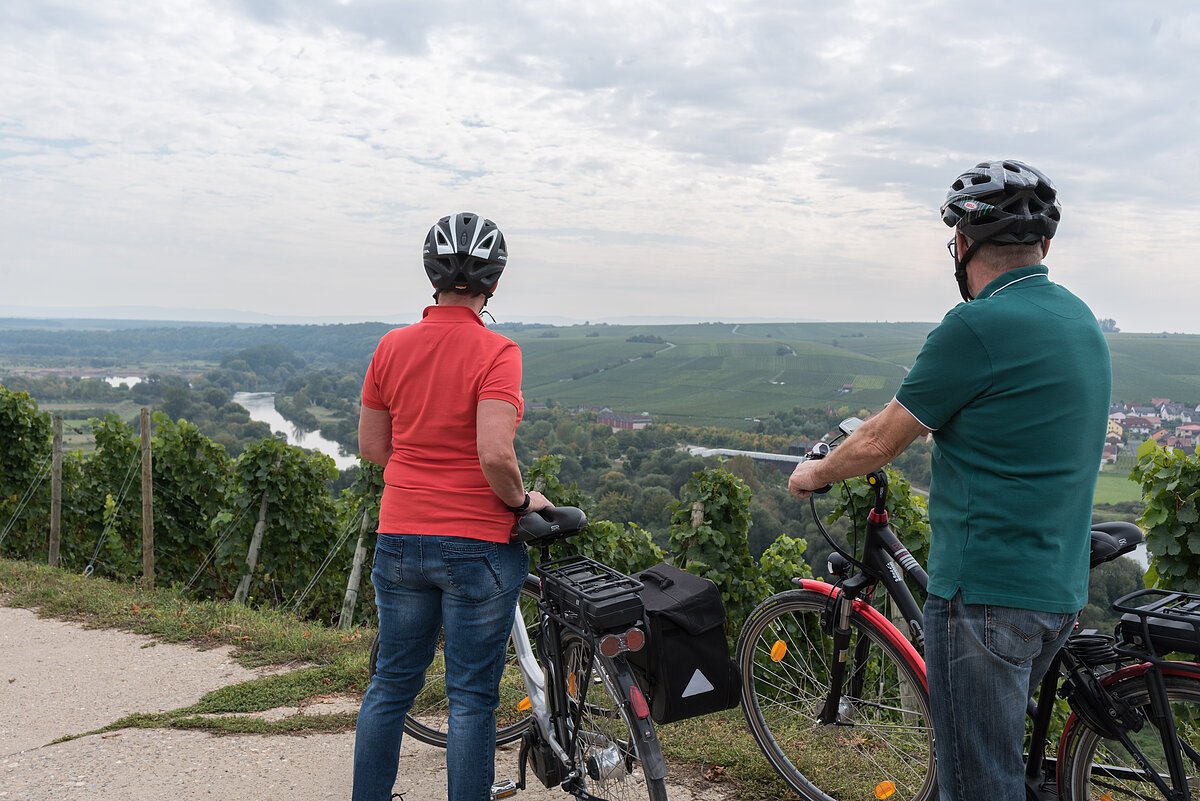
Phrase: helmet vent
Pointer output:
(1008, 165)
(976, 180)
(468, 219)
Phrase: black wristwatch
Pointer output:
(522, 509)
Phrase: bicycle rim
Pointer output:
(429, 716)
(606, 747)
(1092, 767)
(882, 743)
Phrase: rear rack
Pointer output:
(604, 598)
(1161, 621)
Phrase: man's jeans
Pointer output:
(423, 584)
(982, 663)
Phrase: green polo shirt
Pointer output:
(1015, 386)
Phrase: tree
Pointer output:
(1109, 326)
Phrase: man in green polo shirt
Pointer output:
(1014, 385)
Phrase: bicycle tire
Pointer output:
(1082, 747)
(430, 713)
(619, 755)
(882, 744)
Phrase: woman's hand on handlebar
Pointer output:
(537, 502)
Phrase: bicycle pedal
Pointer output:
(505, 788)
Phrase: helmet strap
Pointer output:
(960, 271)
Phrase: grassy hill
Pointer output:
(1155, 366)
(723, 373)
(719, 372)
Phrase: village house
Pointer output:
(624, 421)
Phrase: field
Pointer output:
(706, 373)
(718, 372)
(1155, 366)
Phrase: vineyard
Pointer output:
(266, 528)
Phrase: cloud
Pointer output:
(709, 155)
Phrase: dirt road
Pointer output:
(59, 679)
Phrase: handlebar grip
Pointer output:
(820, 451)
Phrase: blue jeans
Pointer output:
(424, 584)
(983, 663)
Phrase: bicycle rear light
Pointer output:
(641, 710)
(612, 644)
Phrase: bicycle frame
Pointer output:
(535, 684)
(550, 706)
(885, 560)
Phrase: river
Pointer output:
(261, 406)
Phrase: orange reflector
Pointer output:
(1106, 797)
(778, 651)
(570, 684)
(524, 705)
(885, 789)
(641, 710)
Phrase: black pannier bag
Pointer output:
(685, 669)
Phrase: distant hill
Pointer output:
(720, 373)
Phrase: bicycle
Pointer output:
(583, 722)
(833, 693)
(859, 684)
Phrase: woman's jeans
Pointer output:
(983, 663)
(424, 584)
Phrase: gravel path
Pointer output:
(59, 679)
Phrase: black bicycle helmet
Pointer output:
(466, 252)
(1003, 202)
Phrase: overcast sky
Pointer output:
(731, 160)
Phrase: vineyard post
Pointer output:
(252, 555)
(147, 504)
(56, 491)
(360, 555)
(697, 514)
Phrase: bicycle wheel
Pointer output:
(1092, 767)
(619, 755)
(881, 746)
(430, 712)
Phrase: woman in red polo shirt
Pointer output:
(440, 405)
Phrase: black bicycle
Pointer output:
(834, 687)
(833, 691)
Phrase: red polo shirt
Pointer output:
(430, 378)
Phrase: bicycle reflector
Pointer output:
(524, 705)
(778, 651)
(885, 789)
(612, 644)
(641, 710)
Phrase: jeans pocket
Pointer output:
(1019, 635)
(387, 570)
(473, 568)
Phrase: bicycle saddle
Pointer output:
(548, 525)
(1110, 540)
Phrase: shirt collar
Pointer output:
(450, 314)
(1034, 274)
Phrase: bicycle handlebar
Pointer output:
(545, 526)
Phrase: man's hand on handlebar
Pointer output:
(804, 482)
